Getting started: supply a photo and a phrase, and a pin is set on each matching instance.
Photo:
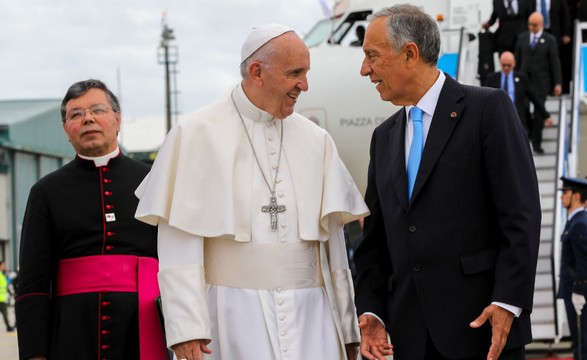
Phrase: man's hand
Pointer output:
(566, 39)
(191, 350)
(374, 344)
(578, 301)
(548, 122)
(501, 323)
(558, 90)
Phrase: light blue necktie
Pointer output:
(415, 149)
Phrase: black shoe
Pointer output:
(539, 151)
(10, 329)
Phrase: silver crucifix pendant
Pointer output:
(273, 209)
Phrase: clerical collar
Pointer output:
(247, 108)
(101, 160)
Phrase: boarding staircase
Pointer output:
(545, 315)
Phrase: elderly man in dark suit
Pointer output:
(512, 16)
(537, 56)
(449, 254)
(517, 85)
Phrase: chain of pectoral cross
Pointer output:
(273, 208)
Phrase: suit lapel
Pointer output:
(397, 150)
(446, 116)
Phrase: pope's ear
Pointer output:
(255, 71)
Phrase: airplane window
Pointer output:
(343, 34)
(340, 32)
(319, 32)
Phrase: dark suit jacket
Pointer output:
(469, 235)
(541, 63)
(523, 92)
(510, 26)
(560, 19)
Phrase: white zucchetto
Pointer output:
(259, 36)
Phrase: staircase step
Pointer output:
(545, 174)
(546, 232)
(550, 133)
(547, 188)
(545, 161)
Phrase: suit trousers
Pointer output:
(537, 125)
(432, 353)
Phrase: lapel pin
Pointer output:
(541, 40)
(453, 115)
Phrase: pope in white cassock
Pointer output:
(250, 199)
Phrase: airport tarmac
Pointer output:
(8, 341)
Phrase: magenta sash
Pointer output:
(120, 273)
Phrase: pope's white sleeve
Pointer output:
(342, 281)
(182, 284)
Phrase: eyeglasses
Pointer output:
(506, 65)
(97, 111)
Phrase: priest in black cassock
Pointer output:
(87, 268)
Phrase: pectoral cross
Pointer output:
(273, 208)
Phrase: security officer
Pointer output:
(573, 273)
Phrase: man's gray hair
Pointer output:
(264, 55)
(409, 23)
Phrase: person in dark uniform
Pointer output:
(88, 269)
(573, 271)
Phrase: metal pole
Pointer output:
(166, 37)
(167, 88)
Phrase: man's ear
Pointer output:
(412, 53)
(255, 71)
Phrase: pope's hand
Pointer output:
(578, 301)
(191, 350)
